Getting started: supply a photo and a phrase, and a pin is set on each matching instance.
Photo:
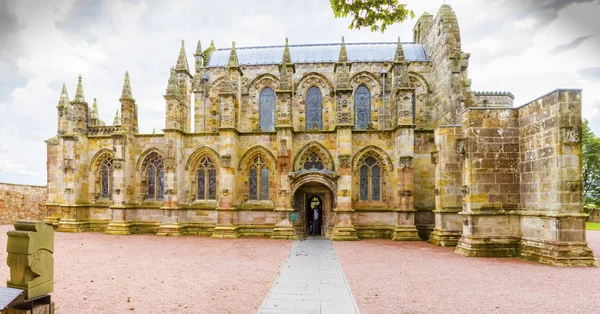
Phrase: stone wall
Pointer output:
(22, 202)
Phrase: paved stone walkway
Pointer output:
(311, 281)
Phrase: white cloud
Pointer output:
(57, 40)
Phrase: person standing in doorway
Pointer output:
(315, 223)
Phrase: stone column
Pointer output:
(447, 157)
(119, 223)
(228, 138)
(404, 228)
(343, 228)
(173, 166)
(284, 228)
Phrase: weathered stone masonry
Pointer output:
(391, 145)
(22, 202)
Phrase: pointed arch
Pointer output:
(99, 157)
(252, 152)
(421, 80)
(265, 79)
(197, 155)
(312, 79)
(377, 153)
(372, 81)
(317, 150)
(144, 155)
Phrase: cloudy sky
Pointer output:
(526, 47)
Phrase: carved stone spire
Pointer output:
(94, 113)
(233, 58)
(198, 49)
(126, 93)
(399, 56)
(199, 57)
(182, 64)
(343, 54)
(64, 101)
(153, 130)
(287, 58)
(79, 97)
(172, 85)
(117, 120)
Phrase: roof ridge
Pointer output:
(321, 45)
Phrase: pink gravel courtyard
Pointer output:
(97, 273)
(416, 277)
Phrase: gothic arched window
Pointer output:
(313, 162)
(207, 180)
(362, 108)
(259, 179)
(155, 176)
(370, 180)
(267, 110)
(106, 172)
(314, 109)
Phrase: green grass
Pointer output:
(592, 225)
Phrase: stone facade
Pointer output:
(391, 147)
(22, 202)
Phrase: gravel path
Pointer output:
(97, 273)
(408, 277)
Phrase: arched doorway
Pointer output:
(308, 194)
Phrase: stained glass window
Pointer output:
(253, 184)
(207, 180)
(313, 162)
(259, 188)
(314, 109)
(362, 108)
(155, 176)
(264, 184)
(267, 110)
(106, 171)
(370, 180)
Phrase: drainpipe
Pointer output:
(204, 80)
(383, 72)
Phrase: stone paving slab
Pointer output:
(310, 281)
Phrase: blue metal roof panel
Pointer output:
(326, 53)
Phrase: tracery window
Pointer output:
(259, 179)
(314, 109)
(155, 176)
(370, 180)
(267, 110)
(106, 173)
(313, 162)
(207, 180)
(362, 108)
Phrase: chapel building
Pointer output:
(386, 139)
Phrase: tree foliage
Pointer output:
(591, 165)
(376, 14)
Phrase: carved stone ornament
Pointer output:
(573, 186)
(170, 164)
(69, 164)
(344, 160)
(226, 161)
(434, 157)
(344, 117)
(117, 164)
(461, 147)
(436, 191)
(406, 162)
(464, 190)
(570, 135)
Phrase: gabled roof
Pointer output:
(325, 53)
